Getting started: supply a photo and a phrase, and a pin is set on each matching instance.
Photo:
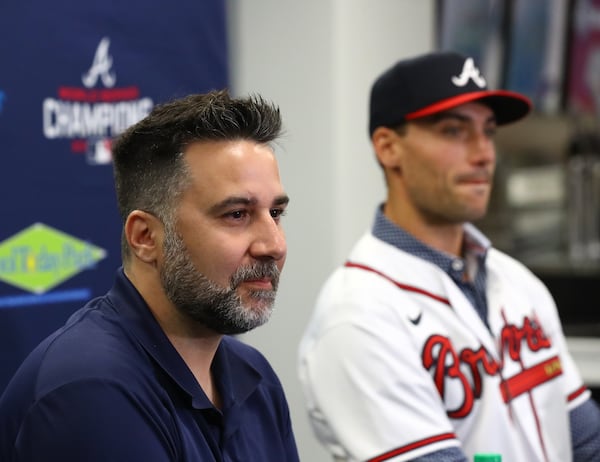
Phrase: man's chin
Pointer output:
(247, 326)
(257, 298)
(259, 310)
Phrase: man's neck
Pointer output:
(196, 344)
(198, 353)
(447, 238)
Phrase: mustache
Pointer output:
(258, 270)
(480, 175)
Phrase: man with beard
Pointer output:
(149, 371)
(428, 344)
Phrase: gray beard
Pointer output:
(219, 308)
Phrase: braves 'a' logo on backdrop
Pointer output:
(89, 116)
(101, 67)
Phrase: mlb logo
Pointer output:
(99, 151)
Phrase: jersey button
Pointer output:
(457, 265)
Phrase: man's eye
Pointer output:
(490, 132)
(277, 213)
(237, 214)
(451, 129)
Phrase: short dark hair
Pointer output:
(149, 170)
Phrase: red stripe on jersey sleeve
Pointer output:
(530, 378)
(576, 393)
(409, 447)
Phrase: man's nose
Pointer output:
(269, 240)
(483, 150)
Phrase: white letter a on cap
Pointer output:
(469, 71)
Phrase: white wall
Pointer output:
(317, 59)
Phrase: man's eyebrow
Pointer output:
(231, 202)
(281, 200)
(450, 114)
(244, 201)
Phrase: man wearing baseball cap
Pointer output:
(428, 344)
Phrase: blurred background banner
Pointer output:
(476, 29)
(72, 76)
(584, 86)
(520, 45)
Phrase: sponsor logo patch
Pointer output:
(40, 257)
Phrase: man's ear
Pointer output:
(144, 232)
(387, 148)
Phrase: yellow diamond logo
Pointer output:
(39, 257)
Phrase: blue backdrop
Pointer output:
(72, 75)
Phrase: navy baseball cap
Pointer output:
(434, 82)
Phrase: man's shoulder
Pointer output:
(375, 268)
(92, 345)
(89, 357)
(501, 261)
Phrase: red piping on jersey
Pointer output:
(531, 401)
(530, 378)
(400, 285)
(576, 393)
(411, 446)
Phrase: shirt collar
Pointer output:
(138, 319)
(476, 245)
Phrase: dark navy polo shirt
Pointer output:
(109, 386)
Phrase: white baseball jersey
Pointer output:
(396, 363)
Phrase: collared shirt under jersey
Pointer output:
(468, 273)
(109, 386)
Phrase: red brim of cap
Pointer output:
(508, 106)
